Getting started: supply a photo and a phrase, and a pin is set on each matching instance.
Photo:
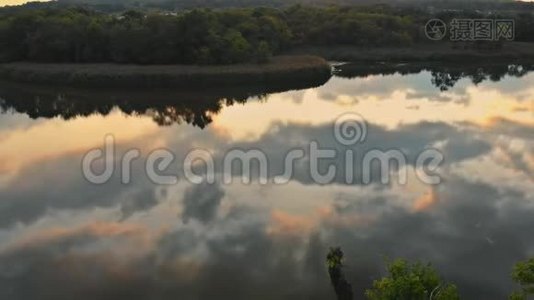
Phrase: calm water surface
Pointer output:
(64, 238)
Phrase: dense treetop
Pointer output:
(199, 36)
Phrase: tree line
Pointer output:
(203, 36)
(198, 36)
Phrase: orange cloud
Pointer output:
(283, 223)
(98, 229)
(56, 138)
(426, 201)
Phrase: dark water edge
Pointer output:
(166, 106)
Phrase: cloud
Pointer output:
(201, 202)
(28, 197)
(426, 201)
(138, 201)
(456, 143)
(473, 235)
(72, 265)
(283, 223)
(98, 260)
(59, 185)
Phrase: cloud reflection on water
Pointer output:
(63, 238)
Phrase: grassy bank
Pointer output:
(281, 69)
(439, 52)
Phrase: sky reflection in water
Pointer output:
(63, 238)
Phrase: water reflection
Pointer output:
(166, 107)
(444, 77)
(62, 238)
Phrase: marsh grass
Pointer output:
(278, 70)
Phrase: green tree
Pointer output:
(523, 274)
(263, 52)
(407, 281)
(235, 48)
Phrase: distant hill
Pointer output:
(249, 3)
(187, 4)
(175, 5)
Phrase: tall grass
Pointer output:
(280, 69)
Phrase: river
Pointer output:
(158, 234)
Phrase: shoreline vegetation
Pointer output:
(80, 46)
(280, 70)
(299, 68)
(440, 53)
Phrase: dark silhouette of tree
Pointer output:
(445, 80)
(342, 287)
(166, 107)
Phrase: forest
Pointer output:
(205, 36)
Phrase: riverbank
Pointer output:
(280, 70)
(439, 52)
